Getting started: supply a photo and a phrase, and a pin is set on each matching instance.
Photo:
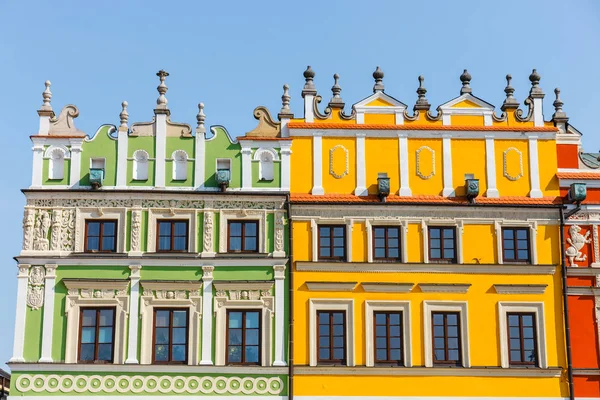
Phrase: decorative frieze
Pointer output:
(207, 237)
(67, 230)
(35, 287)
(40, 231)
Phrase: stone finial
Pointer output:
(162, 90)
(47, 96)
(285, 111)
(465, 78)
(200, 117)
(309, 86)
(422, 103)
(559, 115)
(536, 90)
(336, 89)
(378, 76)
(124, 115)
(510, 102)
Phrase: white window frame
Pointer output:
(451, 306)
(346, 305)
(532, 225)
(459, 229)
(402, 224)
(505, 307)
(157, 295)
(177, 164)
(388, 305)
(98, 159)
(223, 160)
(141, 158)
(258, 158)
(244, 296)
(243, 215)
(100, 214)
(314, 224)
(172, 214)
(90, 294)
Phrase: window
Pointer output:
(522, 339)
(170, 336)
(97, 163)
(446, 338)
(243, 337)
(140, 165)
(243, 236)
(515, 245)
(332, 242)
(332, 337)
(266, 166)
(180, 161)
(386, 243)
(96, 335)
(100, 236)
(56, 166)
(442, 244)
(172, 235)
(388, 337)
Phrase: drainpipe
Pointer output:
(290, 301)
(566, 306)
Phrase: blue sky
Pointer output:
(234, 56)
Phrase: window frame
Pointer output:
(331, 360)
(243, 236)
(442, 260)
(445, 325)
(100, 235)
(537, 308)
(374, 248)
(331, 246)
(445, 305)
(520, 315)
(515, 241)
(243, 346)
(388, 362)
(170, 344)
(346, 305)
(97, 329)
(173, 222)
(372, 306)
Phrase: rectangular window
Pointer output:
(446, 338)
(332, 337)
(515, 245)
(442, 244)
(522, 339)
(332, 242)
(96, 335)
(172, 235)
(101, 236)
(243, 337)
(243, 236)
(386, 243)
(170, 336)
(388, 337)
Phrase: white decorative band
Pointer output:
(149, 384)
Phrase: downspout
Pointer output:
(290, 300)
(566, 306)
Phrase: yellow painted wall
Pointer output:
(479, 244)
(347, 184)
(548, 167)
(301, 165)
(418, 185)
(507, 187)
(466, 120)
(385, 119)
(382, 155)
(468, 157)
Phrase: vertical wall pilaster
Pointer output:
(134, 315)
(48, 317)
(279, 275)
(38, 162)
(207, 315)
(490, 167)
(286, 167)
(534, 168)
(122, 149)
(403, 163)
(19, 339)
(75, 172)
(246, 168)
(318, 164)
(361, 166)
(447, 159)
(160, 163)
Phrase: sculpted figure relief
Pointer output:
(576, 242)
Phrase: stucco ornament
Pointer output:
(67, 230)
(55, 236)
(279, 224)
(208, 232)
(136, 224)
(35, 289)
(420, 174)
(332, 152)
(42, 226)
(576, 242)
(28, 223)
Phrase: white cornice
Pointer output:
(422, 134)
(473, 371)
(520, 289)
(387, 287)
(495, 269)
(574, 271)
(583, 291)
(192, 262)
(589, 183)
(444, 287)
(331, 286)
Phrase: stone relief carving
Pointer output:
(41, 228)
(266, 127)
(576, 242)
(332, 152)
(279, 225)
(35, 288)
(56, 224)
(432, 152)
(67, 230)
(136, 225)
(596, 244)
(505, 162)
(64, 124)
(208, 232)
(28, 224)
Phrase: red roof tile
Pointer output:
(321, 125)
(427, 199)
(578, 175)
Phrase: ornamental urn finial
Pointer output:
(309, 86)
(465, 78)
(422, 103)
(536, 90)
(162, 89)
(510, 102)
(124, 115)
(336, 89)
(285, 111)
(378, 76)
(200, 117)
(47, 96)
(559, 115)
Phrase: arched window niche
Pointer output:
(180, 161)
(56, 162)
(140, 165)
(266, 163)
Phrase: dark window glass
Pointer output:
(332, 337)
(170, 336)
(388, 337)
(172, 236)
(96, 335)
(515, 244)
(386, 243)
(446, 338)
(243, 236)
(332, 242)
(101, 236)
(522, 339)
(243, 337)
(442, 244)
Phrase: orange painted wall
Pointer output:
(584, 335)
(587, 386)
(568, 155)
(587, 281)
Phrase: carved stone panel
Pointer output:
(577, 241)
(35, 287)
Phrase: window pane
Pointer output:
(323, 318)
(527, 320)
(93, 228)
(392, 242)
(235, 336)
(395, 355)
(338, 354)
(105, 335)
(164, 229)
(179, 243)
(105, 352)
(379, 232)
(439, 355)
(509, 244)
(530, 356)
(527, 333)
(379, 253)
(235, 243)
(108, 243)
(452, 331)
(381, 355)
(180, 228)
(93, 243)
(324, 231)
(106, 317)
(179, 336)
(528, 344)
(161, 353)
(514, 332)
(515, 355)
(435, 253)
(324, 341)
(109, 229)
(87, 352)
(252, 319)
(338, 330)
(323, 329)
(179, 318)
(434, 243)
(448, 243)
(338, 231)
(395, 343)
(339, 342)
(325, 242)
(252, 337)
(338, 242)
(162, 318)
(453, 343)
(453, 355)
(393, 232)
(523, 254)
(509, 254)
(449, 253)
(324, 252)
(395, 330)
(235, 229)
(338, 318)
(521, 234)
(324, 354)
(252, 354)
(250, 229)
(178, 353)
(88, 335)
(380, 242)
(439, 343)
(438, 319)
(434, 233)
(448, 233)
(235, 354)
(393, 253)
(235, 319)
(250, 244)
(164, 243)
(338, 252)
(394, 318)
(513, 320)
(89, 318)
(508, 234)
(515, 344)
(162, 335)
(380, 331)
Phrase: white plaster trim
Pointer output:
(490, 168)
(207, 323)
(50, 149)
(346, 305)
(538, 112)
(246, 167)
(456, 306)
(534, 171)
(499, 224)
(122, 149)
(317, 153)
(280, 343)
(154, 368)
(387, 287)
(309, 115)
(512, 306)
(361, 167)
(38, 162)
(285, 166)
(520, 289)
(331, 286)
(189, 262)
(134, 315)
(444, 287)
(447, 162)
(21, 312)
(48, 316)
(395, 107)
(100, 214)
(386, 305)
(261, 149)
(156, 214)
(200, 162)
(583, 291)
(404, 168)
(565, 183)
(173, 397)
(160, 129)
(244, 215)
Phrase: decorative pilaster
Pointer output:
(537, 95)
(28, 223)
(207, 304)
(403, 162)
(279, 276)
(35, 288)
(447, 158)
(208, 233)
(48, 321)
(490, 167)
(246, 168)
(162, 112)
(361, 166)
(425, 236)
(136, 232)
(38, 162)
(19, 339)
(122, 146)
(75, 172)
(285, 153)
(279, 242)
(134, 314)
(55, 234)
(596, 263)
(318, 164)
(199, 166)
(309, 91)
(534, 168)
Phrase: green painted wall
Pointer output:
(186, 144)
(33, 334)
(147, 144)
(171, 273)
(219, 146)
(102, 145)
